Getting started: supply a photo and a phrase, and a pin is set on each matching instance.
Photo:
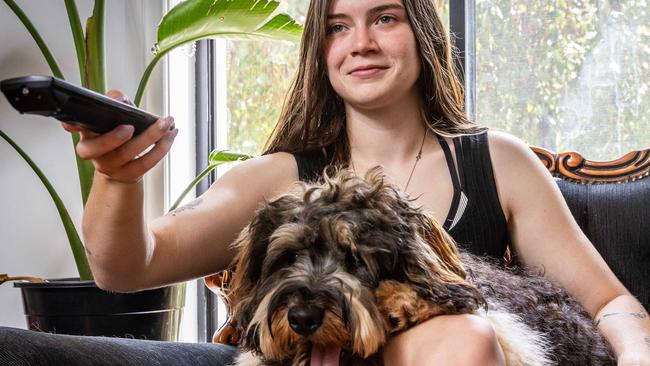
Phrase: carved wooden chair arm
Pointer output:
(573, 166)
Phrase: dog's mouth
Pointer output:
(325, 355)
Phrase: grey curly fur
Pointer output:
(543, 307)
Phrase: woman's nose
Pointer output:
(363, 42)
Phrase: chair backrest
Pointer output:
(611, 203)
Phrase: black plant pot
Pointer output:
(70, 306)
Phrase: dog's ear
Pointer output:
(431, 262)
(442, 244)
(253, 241)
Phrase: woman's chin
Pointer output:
(371, 101)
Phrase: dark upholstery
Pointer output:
(614, 216)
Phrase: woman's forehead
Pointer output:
(363, 6)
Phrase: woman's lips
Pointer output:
(367, 72)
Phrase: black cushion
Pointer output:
(614, 216)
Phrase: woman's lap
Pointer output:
(24, 347)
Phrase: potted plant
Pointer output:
(71, 306)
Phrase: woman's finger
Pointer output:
(123, 155)
(95, 146)
(70, 128)
(84, 132)
(118, 95)
(136, 168)
(144, 140)
(115, 94)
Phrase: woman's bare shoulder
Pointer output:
(510, 153)
(503, 142)
(517, 170)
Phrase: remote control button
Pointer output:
(25, 91)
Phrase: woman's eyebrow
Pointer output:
(371, 13)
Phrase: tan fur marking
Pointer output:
(399, 301)
(369, 334)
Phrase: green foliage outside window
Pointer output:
(564, 74)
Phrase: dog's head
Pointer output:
(310, 262)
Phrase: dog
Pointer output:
(326, 274)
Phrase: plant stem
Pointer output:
(190, 186)
(145, 78)
(95, 60)
(94, 69)
(56, 71)
(78, 250)
(85, 168)
(216, 158)
(78, 36)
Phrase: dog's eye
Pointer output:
(285, 260)
(352, 260)
(289, 258)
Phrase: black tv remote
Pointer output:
(52, 97)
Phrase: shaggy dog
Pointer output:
(326, 274)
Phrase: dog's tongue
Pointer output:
(325, 356)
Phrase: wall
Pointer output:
(32, 239)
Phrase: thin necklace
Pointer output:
(417, 159)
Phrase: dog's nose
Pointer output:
(305, 320)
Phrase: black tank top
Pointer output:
(475, 220)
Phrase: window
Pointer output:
(566, 75)
(253, 77)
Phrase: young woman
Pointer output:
(376, 86)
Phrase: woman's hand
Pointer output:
(118, 155)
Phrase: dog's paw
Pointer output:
(401, 306)
(248, 359)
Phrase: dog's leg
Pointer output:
(402, 307)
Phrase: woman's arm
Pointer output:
(626, 325)
(544, 235)
(129, 254)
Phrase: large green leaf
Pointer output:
(192, 20)
(197, 19)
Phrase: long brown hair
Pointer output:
(313, 115)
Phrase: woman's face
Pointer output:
(371, 52)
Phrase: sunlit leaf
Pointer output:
(197, 19)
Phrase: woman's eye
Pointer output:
(336, 28)
(385, 19)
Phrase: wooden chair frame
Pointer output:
(573, 166)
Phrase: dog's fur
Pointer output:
(360, 251)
